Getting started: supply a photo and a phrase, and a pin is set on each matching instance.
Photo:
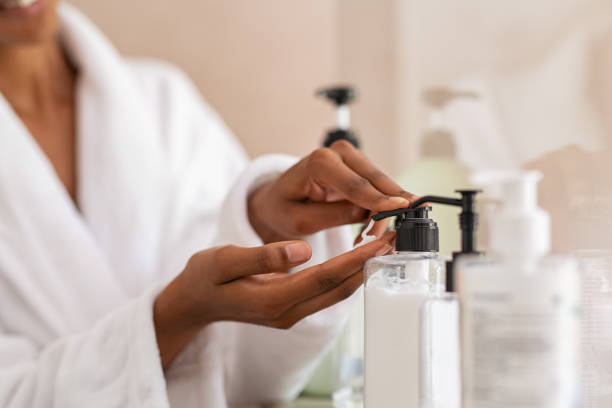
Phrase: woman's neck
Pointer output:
(34, 78)
(39, 83)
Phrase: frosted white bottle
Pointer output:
(396, 288)
(519, 312)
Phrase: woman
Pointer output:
(114, 175)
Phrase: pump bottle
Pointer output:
(396, 286)
(411, 334)
(519, 311)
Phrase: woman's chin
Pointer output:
(27, 21)
(22, 9)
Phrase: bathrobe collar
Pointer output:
(115, 234)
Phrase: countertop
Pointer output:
(300, 403)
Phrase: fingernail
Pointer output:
(399, 201)
(384, 250)
(297, 252)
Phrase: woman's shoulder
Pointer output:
(170, 91)
(158, 76)
(179, 108)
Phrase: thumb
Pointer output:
(235, 262)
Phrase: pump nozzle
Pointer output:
(521, 191)
(341, 96)
(468, 219)
(520, 227)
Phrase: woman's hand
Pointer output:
(330, 187)
(252, 285)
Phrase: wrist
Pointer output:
(256, 206)
(176, 320)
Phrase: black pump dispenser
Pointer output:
(468, 222)
(416, 232)
(341, 96)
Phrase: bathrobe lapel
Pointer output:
(81, 263)
(123, 187)
(51, 260)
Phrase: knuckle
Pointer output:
(381, 200)
(269, 310)
(282, 324)
(346, 291)
(377, 175)
(273, 306)
(407, 194)
(199, 264)
(356, 184)
(342, 145)
(263, 260)
(195, 259)
(321, 155)
(222, 253)
(327, 283)
(352, 215)
(289, 324)
(301, 225)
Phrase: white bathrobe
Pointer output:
(160, 178)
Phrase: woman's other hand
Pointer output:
(330, 187)
(252, 285)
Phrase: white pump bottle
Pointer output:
(519, 311)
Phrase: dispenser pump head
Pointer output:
(521, 227)
(468, 219)
(416, 232)
(468, 222)
(341, 96)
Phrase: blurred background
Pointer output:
(480, 84)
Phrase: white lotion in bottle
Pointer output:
(396, 287)
(519, 311)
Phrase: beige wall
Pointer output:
(257, 62)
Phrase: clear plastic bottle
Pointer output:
(440, 360)
(596, 276)
(519, 311)
(396, 287)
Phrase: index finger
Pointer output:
(232, 262)
(325, 277)
(327, 168)
(360, 164)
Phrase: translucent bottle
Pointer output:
(519, 311)
(396, 287)
(440, 381)
(438, 170)
(596, 277)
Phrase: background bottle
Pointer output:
(341, 97)
(596, 276)
(340, 371)
(519, 311)
(437, 170)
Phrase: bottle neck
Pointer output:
(428, 254)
